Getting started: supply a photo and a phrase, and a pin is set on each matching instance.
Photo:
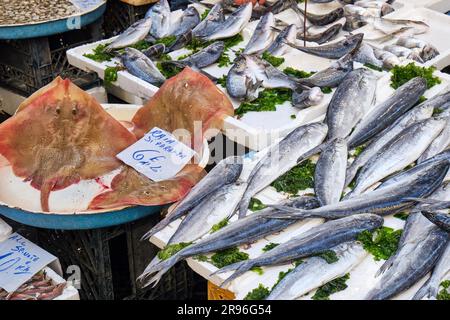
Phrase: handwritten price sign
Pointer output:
(158, 155)
(20, 259)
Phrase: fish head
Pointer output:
(216, 47)
(429, 52)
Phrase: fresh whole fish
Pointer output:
(243, 231)
(350, 102)
(315, 272)
(188, 21)
(322, 37)
(404, 52)
(232, 25)
(241, 84)
(389, 59)
(159, 14)
(428, 51)
(414, 259)
(384, 200)
(155, 51)
(225, 172)
(388, 111)
(302, 99)
(431, 288)
(331, 76)
(180, 42)
(329, 176)
(212, 21)
(263, 35)
(277, 7)
(365, 54)
(398, 153)
(279, 47)
(323, 19)
(313, 241)
(438, 217)
(442, 141)
(420, 112)
(214, 208)
(206, 56)
(280, 158)
(333, 50)
(136, 32)
(139, 65)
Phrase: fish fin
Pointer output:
(157, 269)
(385, 266)
(425, 291)
(240, 267)
(315, 150)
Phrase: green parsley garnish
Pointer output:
(256, 205)
(99, 54)
(336, 285)
(219, 225)
(444, 294)
(172, 249)
(381, 243)
(374, 67)
(275, 61)
(402, 74)
(205, 14)
(267, 100)
(299, 178)
(167, 41)
(222, 81)
(259, 293)
(226, 257)
(401, 215)
(269, 246)
(297, 73)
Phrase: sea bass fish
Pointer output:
(241, 83)
(313, 241)
(188, 21)
(139, 65)
(353, 98)
(136, 32)
(212, 21)
(323, 19)
(159, 14)
(388, 111)
(225, 172)
(315, 272)
(322, 37)
(263, 35)
(283, 156)
(287, 35)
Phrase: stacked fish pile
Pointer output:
(39, 287)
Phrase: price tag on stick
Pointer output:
(20, 259)
(158, 155)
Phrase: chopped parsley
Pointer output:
(401, 215)
(201, 258)
(141, 45)
(275, 61)
(111, 74)
(184, 56)
(358, 150)
(267, 100)
(336, 285)
(299, 178)
(205, 14)
(168, 70)
(269, 246)
(99, 54)
(228, 256)
(224, 60)
(444, 294)
(167, 41)
(233, 41)
(437, 111)
(326, 90)
(297, 73)
(373, 67)
(172, 249)
(382, 243)
(256, 205)
(219, 225)
(258, 270)
(293, 116)
(259, 293)
(402, 74)
(329, 256)
(222, 81)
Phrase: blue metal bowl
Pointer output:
(78, 221)
(48, 28)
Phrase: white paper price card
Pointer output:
(158, 155)
(20, 259)
(86, 5)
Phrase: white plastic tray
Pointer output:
(362, 278)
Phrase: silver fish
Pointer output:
(136, 32)
(351, 101)
(329, 176)
(323, 19)
(431, 288)
(180, 42)
(212, 21)
(389, 59)
(225, 172)
(398, 153)
(232, 25)
(420, 112)
(365, 54)
(384, 200)
(206, 56)
(159, 14)
(313, 241)
(333, 75)
(214, 208)
(263, 35)
(241, 84)
(322, 37)
(315, 272)
(427, 52)
(404, 52)
(414, 259)
(280, 158)
(287, 35)
(385, 8)
(388, 111)
(155, 51)
(307, 98)
(277, 7)
(188, 21)
(441, 142)
(242, 231)
(139, 65)
(333, 50)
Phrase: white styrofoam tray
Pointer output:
(437, 35)
(362, 278)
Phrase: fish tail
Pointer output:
(386, 265)
(158, 227)
(424, 290)
(239, 267)
(156, 269)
